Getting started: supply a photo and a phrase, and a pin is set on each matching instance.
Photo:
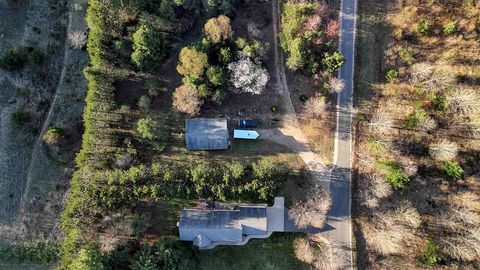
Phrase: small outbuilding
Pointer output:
(245, 134)
(206, 134)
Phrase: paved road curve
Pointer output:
(339, 216)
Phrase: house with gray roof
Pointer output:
(206, 134)
(208, 228)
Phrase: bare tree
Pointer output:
(465, 102)
(314, 250)
(461, 222)
(186, 99)
(335, 85)
(440, 78)
(315, 107)
(312, 210)
(467, 199)
(303, 251)
(474, 125)
(77, 39)
(374, 187)
(443, 150)
(381, 122)
(385, 241)
(407, 215)
(464, 246)
(420, 72)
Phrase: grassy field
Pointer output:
(275, 252)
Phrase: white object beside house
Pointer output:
(245, 134)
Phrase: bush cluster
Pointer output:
(429, 255)
(308, 39)
(37, 252)
(394, 173)
(213, 61)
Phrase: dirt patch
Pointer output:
(128, 92)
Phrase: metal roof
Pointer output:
(206, 134)
(245, 134)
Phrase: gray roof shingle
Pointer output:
(206, 134)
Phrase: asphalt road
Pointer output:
(339, 217)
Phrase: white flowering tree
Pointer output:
(247, 76)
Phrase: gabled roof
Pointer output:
(206, 134)
(223, 225)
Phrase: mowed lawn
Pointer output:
(275, 252)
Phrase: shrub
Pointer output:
(13, 60)
(20, 117)
(192, 63)
(166, 253)
(449, 28)
(151, 127)
(333, 62)
(423, 26)
(226, 55)
(392, 76)
(215, 75)
(149, 48)
(452, 169)
(37, 252)
(218, 29)
(429, 254)
(186, 99)
(406, 56)
(88, 258)
(152, 87)
(144, 102)
(394, 173)
(303, 98)
(54, 135)
(296, 58)
(37, 56)
(294, 16)
(274, 109)
(420, 120)
(440, 102)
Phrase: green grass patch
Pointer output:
(275, 252)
